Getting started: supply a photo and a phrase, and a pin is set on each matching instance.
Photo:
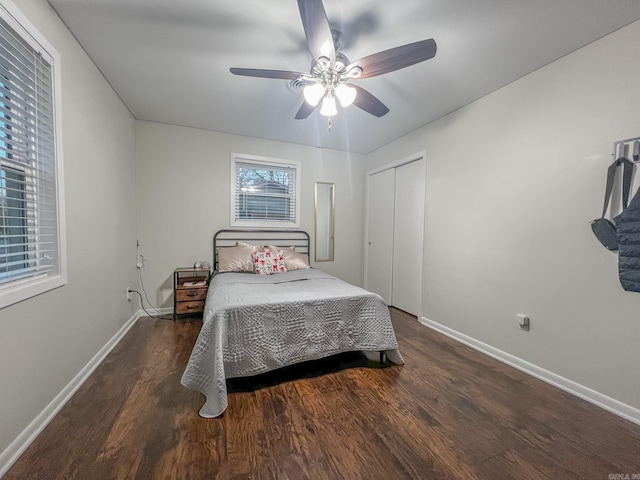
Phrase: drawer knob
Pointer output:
(192, 294)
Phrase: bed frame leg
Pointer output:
(382, 358)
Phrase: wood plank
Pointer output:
(449, 412)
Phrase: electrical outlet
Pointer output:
(129, 294)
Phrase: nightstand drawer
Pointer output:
(191, 294)
(189, 307)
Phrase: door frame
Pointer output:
(398, 163)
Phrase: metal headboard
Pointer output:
(280, 238)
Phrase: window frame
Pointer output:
(21, 289)
(267, 162)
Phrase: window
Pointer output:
(264, 192)
(13, 224)
(31, 246)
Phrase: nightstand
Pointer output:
(190, 287)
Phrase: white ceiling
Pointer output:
(169, 60)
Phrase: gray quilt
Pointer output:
(256, 323)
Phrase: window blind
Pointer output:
(28, 209)
(265, 192)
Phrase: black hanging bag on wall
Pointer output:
(603, 228)
(628, 235)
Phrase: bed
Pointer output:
(257, 323)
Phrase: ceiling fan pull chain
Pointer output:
(329, 124)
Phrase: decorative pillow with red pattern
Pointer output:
(269, 262)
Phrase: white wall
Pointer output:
(513, 181)
(183, 197)
(46, 340)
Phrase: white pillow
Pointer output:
(293, 260)
(236, 259)
(269, 262)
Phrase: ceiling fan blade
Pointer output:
(396, 58)
(257, 72)
(305, 111)
(316, 28)
(369, 103)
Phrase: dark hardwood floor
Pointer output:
(450, 412)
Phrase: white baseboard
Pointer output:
(10, 454)
(156, 311)
(612, 405)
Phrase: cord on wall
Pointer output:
(158, 315)
(146, 296)
(140, 262)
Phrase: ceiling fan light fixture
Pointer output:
(328, 108)
(346, 94)
(313, 93)
(331, 69)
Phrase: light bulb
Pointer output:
(346, 94)
(328, 106)
(313, 93)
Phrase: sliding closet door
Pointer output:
(380, 233)
(408, 235)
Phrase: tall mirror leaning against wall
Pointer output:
(324, 221)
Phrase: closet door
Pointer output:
(408, 227)
(380, 233)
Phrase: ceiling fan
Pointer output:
(332, 72)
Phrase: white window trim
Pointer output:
(22, 289)
(277, 162)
